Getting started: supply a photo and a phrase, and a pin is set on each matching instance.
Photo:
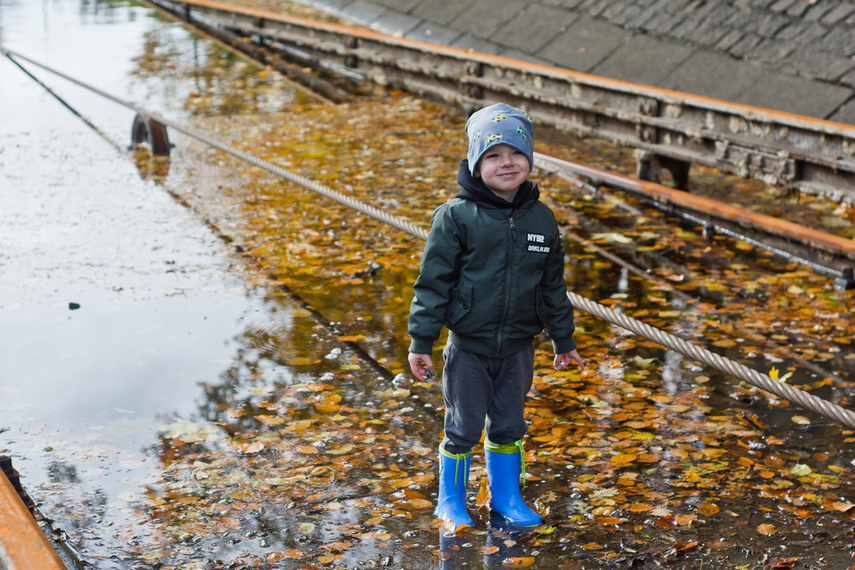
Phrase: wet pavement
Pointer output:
(188, 410)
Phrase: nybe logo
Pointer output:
(533, 240)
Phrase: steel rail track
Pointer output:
(825, 253)
(668, 129)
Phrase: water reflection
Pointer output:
(499, 547)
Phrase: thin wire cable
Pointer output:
(740, 371)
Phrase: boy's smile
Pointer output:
(503, 169)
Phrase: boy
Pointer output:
(492, 271)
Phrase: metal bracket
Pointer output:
(146, 129)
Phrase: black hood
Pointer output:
(472, 188)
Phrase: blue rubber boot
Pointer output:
(505, 463)
(453, 480)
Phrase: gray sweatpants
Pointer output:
(484, 392)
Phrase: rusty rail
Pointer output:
(23, 545)
(825, 253)
(669, 129)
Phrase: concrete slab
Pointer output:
(534, 27)
(468, 41)
(771, 51)
(709, 18)
(433, 33)
(395, 23)
(626, 15)
(585, 44)
(711, 74)
(399, 5)
(330, 6)
(814, 62)
(707, 34)
(817, 12)
(439, 11)
(795, 95)
(664, 23)
(845, 114)
(359, 11)
(644, 60)
(514, 53)
(483, 18)
(767, 25)
(746, 45)
(838, 14)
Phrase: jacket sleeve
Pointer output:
(438, 271)
(559, 324)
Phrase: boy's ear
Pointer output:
(477, 172)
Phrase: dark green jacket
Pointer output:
(493, 273)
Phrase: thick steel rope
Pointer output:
(740, 371)
(763, 381)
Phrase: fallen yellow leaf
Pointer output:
(707, 509)
(518, 562)
(767, 529)
(622, 458)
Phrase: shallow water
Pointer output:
(116, 302)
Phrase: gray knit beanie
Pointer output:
(499, 124)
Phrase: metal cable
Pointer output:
(763, 381)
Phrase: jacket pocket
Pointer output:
(461, 301)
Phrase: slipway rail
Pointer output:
(739, 371)
(823, 252)
(668, 129)
(23, 545)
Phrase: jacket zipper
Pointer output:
(508, 270)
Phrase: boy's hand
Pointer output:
(565, 358)
(421, 366)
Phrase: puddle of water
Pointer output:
(117, 304)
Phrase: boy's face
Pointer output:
(503, 168)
